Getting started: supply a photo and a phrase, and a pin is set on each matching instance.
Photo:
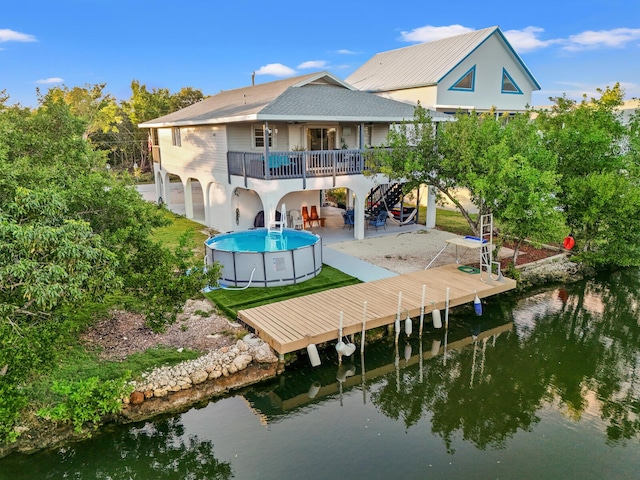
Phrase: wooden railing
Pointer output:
(296, 164)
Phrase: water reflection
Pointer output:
(159, 450)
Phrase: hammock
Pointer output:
(409, 219)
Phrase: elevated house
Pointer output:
(478, 71)
(249, 150)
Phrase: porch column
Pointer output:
(431, 208)
(207, 204)
(188, 199)
(358, 217)
(164, 189)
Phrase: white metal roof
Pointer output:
(423, 64)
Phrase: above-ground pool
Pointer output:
(262, 258)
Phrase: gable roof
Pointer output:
(424, 64)
(318, 96)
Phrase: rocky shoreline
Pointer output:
(162, 381)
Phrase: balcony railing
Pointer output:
(296, 164)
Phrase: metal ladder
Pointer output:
(486, 252)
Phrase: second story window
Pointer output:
(175, 137)
(258, 136)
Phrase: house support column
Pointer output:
(188, 199)
(431, 208)
(207, 204)
(358, 216)
(163, 189)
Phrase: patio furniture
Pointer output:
(295, 220)
(306, 220)
(380, 220)
(314, 217)
(349, 218)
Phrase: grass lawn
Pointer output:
(452, 221)
(448, 220)
(169, 235)
(230, 301)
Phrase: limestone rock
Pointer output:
(241, 361)
(136, 398)
(264, 354)
(199, 376)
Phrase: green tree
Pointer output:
(71, 232)
(522, 185)
(90, 103)
(597, 157)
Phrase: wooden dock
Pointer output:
(291, 325)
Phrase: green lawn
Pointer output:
(230, 301)
(168, 236)
(452, 221)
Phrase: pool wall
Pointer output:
(283, 267)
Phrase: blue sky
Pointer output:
(571, 47)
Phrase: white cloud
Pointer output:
(50, 80)
(429, 33)
(576, 90)
(344, 51)
(616, 38)
(527, 39)
(7, 35)
(276, 69)
(313, 64)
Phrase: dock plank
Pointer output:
(293, 324)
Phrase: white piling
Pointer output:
(397, 322)
(446, 310)
(424, 291)
(364, 325)
(340, 346)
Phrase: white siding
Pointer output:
(240, 136)
(379, 134)
(202, 154)
(489, 59)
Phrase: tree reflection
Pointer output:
(577, 347)
(159, 451)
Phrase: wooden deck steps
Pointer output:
(293, 324)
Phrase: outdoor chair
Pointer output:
(314, 217)
(380, 220)
(295, 220)
(306, 220)
(349, 219)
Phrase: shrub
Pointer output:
(87, 400)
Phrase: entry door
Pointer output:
(321, 138)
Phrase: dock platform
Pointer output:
(292, 325)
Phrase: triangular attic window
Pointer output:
(508, 84)
(466, 82)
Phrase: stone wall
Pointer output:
(556, 269)
(163, 381)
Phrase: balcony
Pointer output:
(296, 164)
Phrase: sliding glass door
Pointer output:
(321, 138)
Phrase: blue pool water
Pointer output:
(261, 240)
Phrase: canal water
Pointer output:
(541, 386)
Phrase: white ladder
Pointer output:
(486, 252)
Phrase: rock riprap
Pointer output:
(219, 363)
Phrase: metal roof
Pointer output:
(317, 96)
(424, 64)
